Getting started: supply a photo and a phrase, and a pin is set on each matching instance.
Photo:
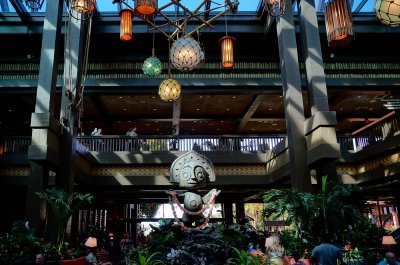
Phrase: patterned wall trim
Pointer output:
(368, 166)
(164, 170)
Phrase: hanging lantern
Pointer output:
(169, 90)
(152, 66)
(146, 8)
(388, 12)
(227, 43)
(83, 7)
(338, 23)
(186, 53)
(34, 5)
(125, 32)
(275, 8)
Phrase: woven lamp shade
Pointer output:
(338, 23)
(146, 8)
(186, 53)
(227, 43)
(388, 12)
(152, 66)
(169, 90)
(91, 242)
(275, 8)
(83, 6)
(125, 31)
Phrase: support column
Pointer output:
(240, 213)
(228, 212)
(293, 100)
(320, 127)
(45, 129)
(71, 95)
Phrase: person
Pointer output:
(99, 132)
(251, 248)
(39, 259)
(326, 253)
(91, 258)
(296, 257)
(258, 248)
(131, 132)
(272, 245)
(390, 259)
(94, 133)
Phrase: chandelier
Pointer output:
(186, 53)
(338, 23)
(388, 12)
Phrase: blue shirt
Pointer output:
(383, 262)
(326, 254)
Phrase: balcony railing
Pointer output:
(370, 136)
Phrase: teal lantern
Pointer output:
(152, 66)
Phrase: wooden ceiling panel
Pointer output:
(136, 105)
(271, 105)
(215, 105)
(277, 126)
(144, 127)
(216, 127)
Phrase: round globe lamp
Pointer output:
(152, 66)
(186, 53)
(169, 90)
(388, 12)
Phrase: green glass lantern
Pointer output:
(152, 66)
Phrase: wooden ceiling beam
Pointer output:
(250, 111)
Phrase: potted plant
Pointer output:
(63, 205)
(352, 256)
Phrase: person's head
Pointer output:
(325, 238)
(134, 129)
(390, 258)
(39, 258)
(296, 256)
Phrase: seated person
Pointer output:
(390, 259)
(296, 257)
(91, 258)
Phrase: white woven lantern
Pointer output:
(186, 53)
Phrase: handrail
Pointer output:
(384, 129)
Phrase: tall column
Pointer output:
(45, 129)
(71, 95)
(320, 127)
(293, 100)
(228, 212)
(240, 213)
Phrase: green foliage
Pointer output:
(149, 210)
(331, 211)
(246, 258)
(293, 243)
(62, 206)
(142, 256)
(20, 245)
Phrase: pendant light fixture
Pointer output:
(227, 43)
(186, 53)
(169, 89)
(275, 8)
(388, 12)
(146, 9)
(152, 66)
(82, 9)
(338, 23)
(125, 31)
(34, 5)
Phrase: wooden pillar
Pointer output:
(240, 213)
(228, 212)
(293, 100)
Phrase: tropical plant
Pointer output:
(20, 245)
(63, 205)
(330, 211)
(142, 256)
(246, 258)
